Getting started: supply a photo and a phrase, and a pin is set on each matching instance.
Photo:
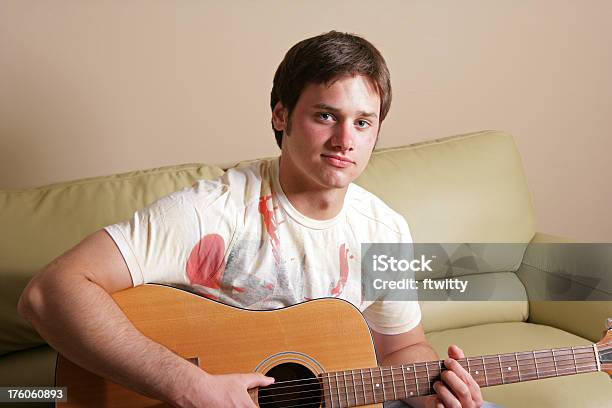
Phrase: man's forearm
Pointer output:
(415, 353)
(82, 322)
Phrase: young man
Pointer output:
(265, 236)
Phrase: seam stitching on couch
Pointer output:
(437, 141)
(117, 177)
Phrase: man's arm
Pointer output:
(70, 305)
(458, 387)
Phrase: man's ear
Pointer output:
(279, 117)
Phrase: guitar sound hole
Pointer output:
(294, 385)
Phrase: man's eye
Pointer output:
(363, 123)
(325, 116)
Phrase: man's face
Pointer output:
(331, 134)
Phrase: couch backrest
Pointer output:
(467, 188)
(39, 224)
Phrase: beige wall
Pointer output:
(97, 87)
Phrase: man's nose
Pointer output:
(343, 138)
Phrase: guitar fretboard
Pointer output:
(380, 384)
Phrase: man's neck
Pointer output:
(315, 203)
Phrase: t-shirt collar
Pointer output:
(293, 212)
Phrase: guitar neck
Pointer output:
(380, 384)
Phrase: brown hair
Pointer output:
(323, 59)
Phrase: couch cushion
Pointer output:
(33, 367)
(507, 302)
(39, 224)
(591, 390)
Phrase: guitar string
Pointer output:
(477, 360)
(567, 368)
(527, 363)
(526, 369)
(564, 369)
(559, 368)
(348, 397)
(527, 366)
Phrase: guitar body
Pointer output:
(296, 342)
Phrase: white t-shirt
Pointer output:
(237, 239)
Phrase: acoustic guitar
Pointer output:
(320, 353)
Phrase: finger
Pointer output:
(455, 352)
(458, 387)
(465, 376)
(446, 397)
(253, 380)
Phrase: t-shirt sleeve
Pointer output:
(394, 316)
(179, 238)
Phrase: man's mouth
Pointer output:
(337, 161)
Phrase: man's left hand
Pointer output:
(457, 388)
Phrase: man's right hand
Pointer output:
(227, 390)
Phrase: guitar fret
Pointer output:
(331, 401)
(416, 381)
(354, 387)
(382, 383)
(518, 369)
(428, 379)
(554, 362)
(338, 388)
(467, 361)
(484, 369)
(345, 387)
(393, 383)
(405, 382)
(535, 363)
(501, 370)
(574, 357)
(363, 385)
(373, 390)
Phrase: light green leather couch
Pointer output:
(466, 188)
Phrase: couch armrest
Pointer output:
(545, 266)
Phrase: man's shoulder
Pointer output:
(366, 207)
(246, 169)
(237, 183)
(244, 181)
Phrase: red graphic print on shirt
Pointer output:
(266, 209)
(344, 270)
(206, 262)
